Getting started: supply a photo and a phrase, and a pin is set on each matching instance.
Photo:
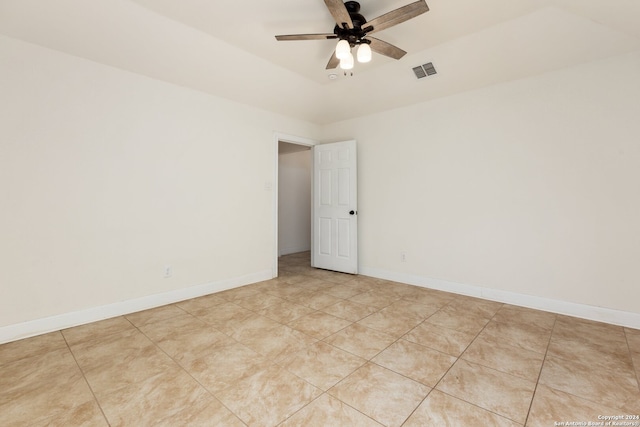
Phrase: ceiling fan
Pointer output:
(352, 29)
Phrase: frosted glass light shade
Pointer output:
(347, 63)
(364, 53)
(343, 49)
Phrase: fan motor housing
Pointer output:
(353, 35)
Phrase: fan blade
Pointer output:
(333, 62)
(339, 12)
(326, 36)
(386, 49)
(397, 16)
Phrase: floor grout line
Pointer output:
(84, 376)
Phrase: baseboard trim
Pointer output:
(294, 250)
(600, 314)
(67, 320)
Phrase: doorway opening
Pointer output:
(292, 196)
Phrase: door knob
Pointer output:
(352, 212)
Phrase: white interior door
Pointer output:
(334, 243)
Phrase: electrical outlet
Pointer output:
(168, 271)
(403, 256)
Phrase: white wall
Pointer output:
(108, 176)
(529, 187)
(294, 202)
(526, 188)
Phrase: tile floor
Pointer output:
(317, 348)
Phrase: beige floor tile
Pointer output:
(176, 325)
(145, 317)
(225, 366)
(526, 336)
(335, 277)
(428, 297)
(553, 406)
(171, 398)
(402, 290)
(615, 356)
(440, 338)
(30, 347)
(506, 358)
(322, 365)
(612, 388)
(633, 339)
(590, 337)
(119, 360)
(457, 319)
(104, 349)
(381, 394)
(35, 371)
(114, 352)
(285, 270)
(440, 409)
(636, 363)
(319, 325)
(349, 310)
(49, 401)
(374, 299)
(42, 387)
(285, 311)
(329, 411)
(268, 397)
(259, 301)
(415, 361)
(318, 285)
(495, 391)
(207, 413)
(263, 286)
(299, 269)
(251, 327)
(360, 340)
(316, 300)
(237, 293)
(86, 414)
(597, 333)
(520, 315)
(314, 285)
(127, 369)
(90, 331)
(292, 275)
(362, 284)
(279, 343)
(475, 306)
(203, 303)
(411, 309)
(343, 291)
(288, 291)
(393, 320)
(223, 316)
(392, 290)
(190, 340)
(323, 274)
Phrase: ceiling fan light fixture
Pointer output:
(347, 63)
(353, 29)
(364, 53)
(343, 49)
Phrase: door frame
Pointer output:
(290, 139)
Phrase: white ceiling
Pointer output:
(227, 47)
